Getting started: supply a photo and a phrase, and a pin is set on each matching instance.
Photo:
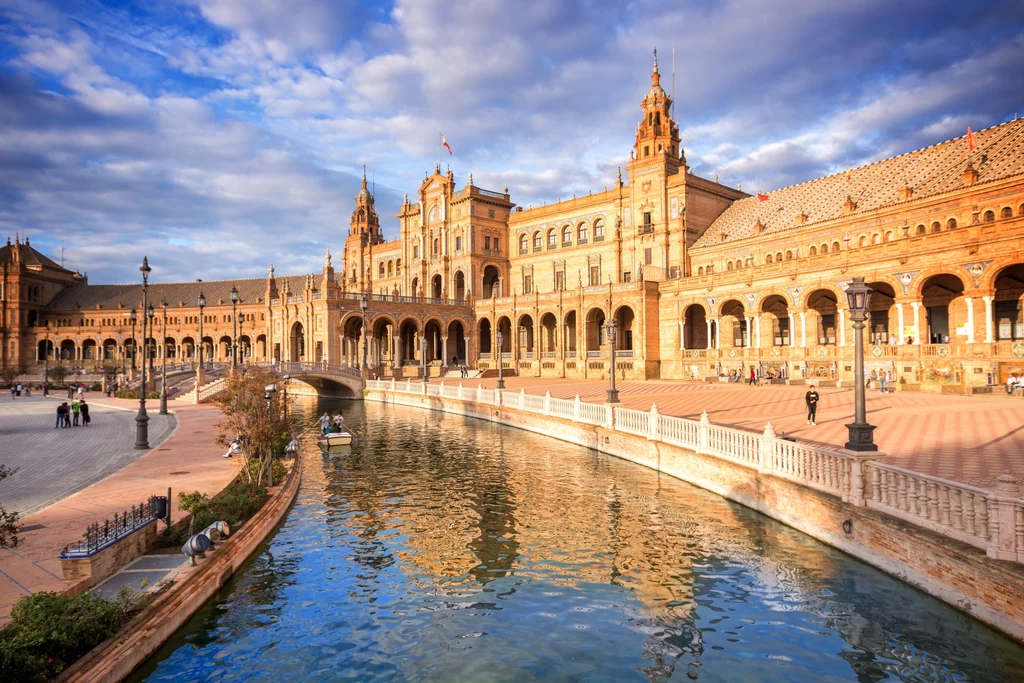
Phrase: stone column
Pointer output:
(750, 332)
(708, 321)
(970, 319)
(900, 340)
(842, 326)
(803, 329)
(466, 361)
(398, 352)
(988, 319)
(444, 353)
(718, 333)
(792, 330)
(757, 330)
(916, 305)
(682, 334)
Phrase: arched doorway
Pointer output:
(297, 343)
(382, 343)
(484, 336)
(409, 334)
(548, 329)
(351, 341)
(460, 286)
(44, 350)
(437, 287)
(207, 344)
(595, 331)
(415, 286)
(775, 316)
(734, 324)
(695, 327)
(188, 348)
(822, 302)
(457, 345)
(881, 324)
(89, 349)
(1007, 307)
(245, 349)
(569, 335)
(491, 282)
(526, 336)
(224, 349)
(505, 335)
(261, 346)
(170, 348)
(942, 296)
(109, 350)
(67, 349)
(624, 330)
(434, 348)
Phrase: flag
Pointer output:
(762, 197)
(970, 140)
(444, 143)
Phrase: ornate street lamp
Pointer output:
(202, 305)
(613, 393)
(163, 369)
(423, 356)
(134, 317)
(234, 327)
(860, 431)
(150, 354)
(46, 362)
(142, 419)
(363, 303)
(501, 341)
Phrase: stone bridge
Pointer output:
(326, 378)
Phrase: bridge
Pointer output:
(328, 379)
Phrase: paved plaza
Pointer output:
(54, 463)
(971, 439)
(188, 461)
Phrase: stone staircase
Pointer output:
(205, 392)
(455, 374)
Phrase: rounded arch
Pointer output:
(410, 318)
(524, 243)
(624, 318)
(695, 326)
(432, 337)
(813, 251)
(823, 305)
(1005, 212)
(483, 335)
(921, 229)
(582, 232)
(951, 224)
(768, 258)
(732, 319)
(989, 216)
(731, 303)
(917, 286)
(942, 299)
(882, 318)
(490, 281)
(456, 333)
(437, 287)
(537, 240)
(566, 235)
(391, 268)
(525, 332)
(775, 307)
(823, 249)
(548, 331)
(1008, 302)
(415, 286)
(552, 238)
(596, 335)
(503, 329)
(434, 318)
(381, 269)
(459, 279)
(570, 324)
(809, 294)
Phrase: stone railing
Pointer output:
(211, 389)
(990, 520)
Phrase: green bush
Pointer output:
(50, 631)
(153, 395)
(253, 468)
(234, 505)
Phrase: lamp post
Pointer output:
(501, 340)
(363, 303)
(46, 362)
(163, 369)
(234, 327)
(286, 378)
(613, 393)
(142, 419)
(134, 316)
(860, 431)
(199, 370)
(423, 356)
(267, 391)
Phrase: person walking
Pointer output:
(18, 388)
(811, 398)
(83, 408)
(80, 391)
(14, 392)
(883, 382)
(753, 377)
(71, 391)
(76, 407)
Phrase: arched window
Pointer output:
(921, 229)
(537, 241)
(813, 251)
(381, 269)
(566, 235)
(391, 268)
(789, 255)
(874, 238)
(824, 249)
(1020, 210)
(524, 244)
(582, 233)
(768, 258)
(398, 265)
(778, 257)
(990, 216)
(888, 236)
(552, 239)
(728, 266)
(951, 224)
(835, 246)
(437, 245)
(598, 229)
(700, 271)
(1007, 212)
(863, 241)
(433, 214)
(936, 227)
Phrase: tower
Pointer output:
(657, 135)
(364, 232)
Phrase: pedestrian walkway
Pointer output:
(970, 439)
(53, 463)
(188, 461)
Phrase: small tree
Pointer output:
(255, 417)
(9, 526)
(58, 373)
(9, 373)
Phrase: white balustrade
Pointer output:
(632, 421)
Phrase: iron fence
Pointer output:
(98, 536)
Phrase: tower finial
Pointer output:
(655, 60)
(364, 176)
(271, 270)
(327, 263)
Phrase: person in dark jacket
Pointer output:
(811, 399)
(83, 408)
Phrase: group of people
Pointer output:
(68, 415)
(463, 370)
(1014, 382)
(330, 424)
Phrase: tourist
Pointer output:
(46, 388)
(464, 369)
(455, 361)
(76, 408)
(892, 340)
(14, 392)
(80, 391)
(753, 377)
(18, 389)
(339, 423)
(811, 399)
(292, 447)
(71, 391)
(883, 387)
(325, 424)
(235, 448)
(62, 415)
(83, 408)
(1012, 382)
(945, 339)
(872, 378)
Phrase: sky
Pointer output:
(218, 136)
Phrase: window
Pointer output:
(524, 244)
(768, 258)
(647, 222)
(582, 233)
(648, 257)
(537, 241)
(487, 242)
(437, 244)
(824, 249)
(1007, 212)
(728, 266)
(598, 230)
(936, 227)
(381, 269)
(566, 236)
(789, 256)
(527, 284)
(1020, 210)
(951, 224)
(559, 281)
(778, 257)
(458, 243)
(863, 241)
(595, 275)
(780, 331)
(647, 151)
(627, 276)
(813, 251)
(921, 229)
(700, 271)
(874, 238)
(888, 236)
(990, 217)
(415, 255)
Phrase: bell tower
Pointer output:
(364, 218)
(364, 232)
(657, 135)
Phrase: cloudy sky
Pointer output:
(219, 135)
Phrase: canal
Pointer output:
(442, 548)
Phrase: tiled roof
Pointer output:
(250, 291)
(929, 171)
(29, 256)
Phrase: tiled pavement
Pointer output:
(971, 439)
(188, 461)
(54, 463)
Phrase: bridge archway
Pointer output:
(297, 343)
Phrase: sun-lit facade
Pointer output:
(703, 281)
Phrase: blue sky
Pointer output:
(219, 135)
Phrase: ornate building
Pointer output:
(702, 280)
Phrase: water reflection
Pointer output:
(445, 548)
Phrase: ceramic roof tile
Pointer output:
(929, 171)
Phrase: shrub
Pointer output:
(49, 631)
(234, 505)
(153, 395)
(280, 471)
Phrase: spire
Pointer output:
(271, 276)
(655, 76)
(364, 176)
(327, 263)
